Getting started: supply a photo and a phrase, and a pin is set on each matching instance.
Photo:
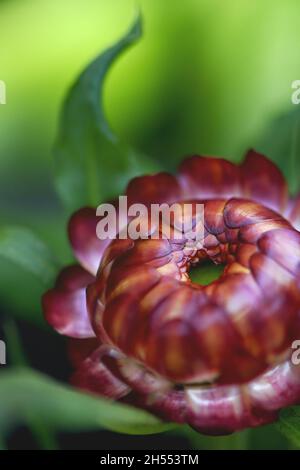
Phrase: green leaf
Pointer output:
(281, 143)
(24, 248)
(235, 441)
(25, 393)
(91, 163)
(289, 424)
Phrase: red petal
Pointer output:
(65, 305)
(240, 213)
(170, 405)
(169, 344)
(209, 177)
(153, 189)
(222, 410)
(80, 349)
(142, 380)
(283, 246)
(293, 212)
(99, 374)
(278, 388)
(263, 182)
(270, 276)
(87, 248)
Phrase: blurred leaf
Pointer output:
(17, 357)
(235, 441)
(24, 393)
(281, 143)
(24, 248)
(91, 163)
(267, 437)
(289, 424)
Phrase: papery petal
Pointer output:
(87, 247)
(141, 379)
(172, 344)
(278, 388)
(293, 212)
(283, 246)
(80, 349)
(241, 213)
(209, 177)
(270, 276)
(65, 305)
(119, 318)
(222, 410)
(99, 374)
(153, 189)
(170, 405)
(145, 252)
(252, 233)
(262, 181)
(133, 281)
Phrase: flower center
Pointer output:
(205, 273)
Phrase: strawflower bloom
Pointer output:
(216, 356)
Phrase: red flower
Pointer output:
(216, 356)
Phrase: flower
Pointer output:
(216, 357)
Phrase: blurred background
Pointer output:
(208, 76)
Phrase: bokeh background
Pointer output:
(208, 76)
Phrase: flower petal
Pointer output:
(87, 248)
(65, 305)
(169, 405)
(293, 212)
(241, 213)
(262, 181)
(222, 410)
(80, 349)
(278, 388)
(153, 189)
(99, 374)
(283, 246)
(209, 177)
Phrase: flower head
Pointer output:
(215, 356)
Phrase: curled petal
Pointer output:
(209, 177)
(65, 305)
(287, 253)
(278, 388)
(99, 374)
(80, 349)
(88, 248)
(293, 212)
(222, 410)
(262, 181)
(269, 275)
(153, 189)
(242, 213)
(170, 405)
(140, 379)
